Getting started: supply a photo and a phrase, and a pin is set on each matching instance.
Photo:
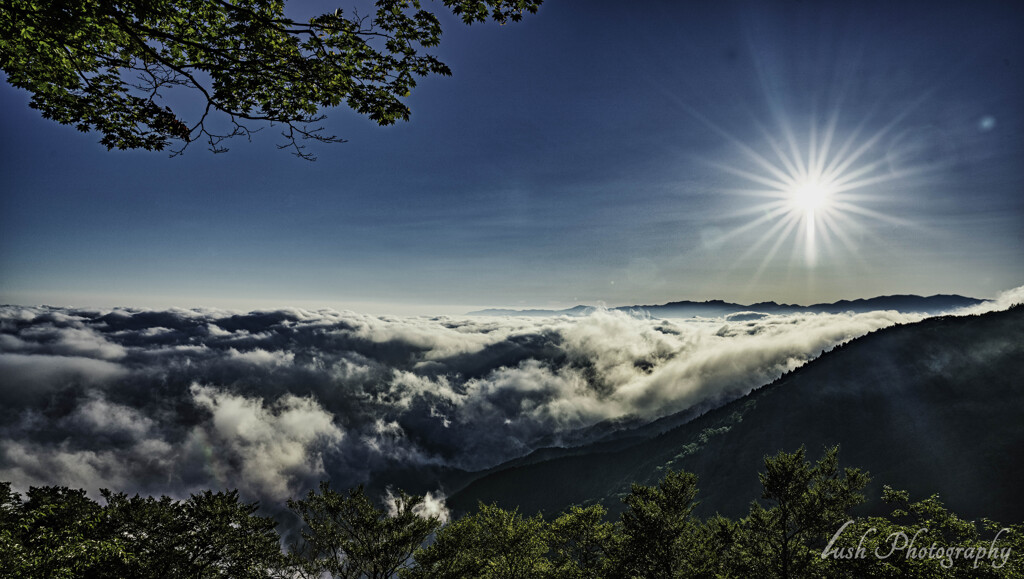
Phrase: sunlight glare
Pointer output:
(810, 194)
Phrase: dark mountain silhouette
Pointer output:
(580, 310)
(931, 407)
(716, 308)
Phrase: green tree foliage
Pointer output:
(580, 542)
(658, 529)
(922, 539)
(490, 544)
(59, 532)
(347, 536)
(719, 553)
(208, 535)
(55, 533)
(11, 550)
(105, 65)
(804, 529)
(808, 503)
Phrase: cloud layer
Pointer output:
(168, 402)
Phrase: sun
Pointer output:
(813, 193)
(810, 194)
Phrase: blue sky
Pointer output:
(596, 152)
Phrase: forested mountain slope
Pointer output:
(931, 407)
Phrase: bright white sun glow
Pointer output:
(812, 192)
(810, 195)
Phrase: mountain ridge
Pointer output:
(928, 407)
(905, 303)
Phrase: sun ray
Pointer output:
(841, 154)
(769, 216)
(864, 169)
(826, 235)
(812, 151)
(787, 164)
(765, 193)
(839, 233)
(812, 196)
(794, 255)
(780, 239)
(794, 147)
(872, 213)
(894, 176)
(810, 191)
(780, 184)
(826, 144)
(786, 225)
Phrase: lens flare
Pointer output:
(813, 193)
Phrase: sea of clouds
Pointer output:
(270, 402)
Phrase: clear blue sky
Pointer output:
(596, 152)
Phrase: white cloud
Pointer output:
(438, 338)
(24, 375)
(1001, 302)
(97, 415)
(29, 464)
(84, 342)
(271, 447)
(261, 357)
(134, 450)
(177, 400)
(433, 505)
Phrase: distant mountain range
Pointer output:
(931, 407)
(717, 308)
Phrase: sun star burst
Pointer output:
(813, 193)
